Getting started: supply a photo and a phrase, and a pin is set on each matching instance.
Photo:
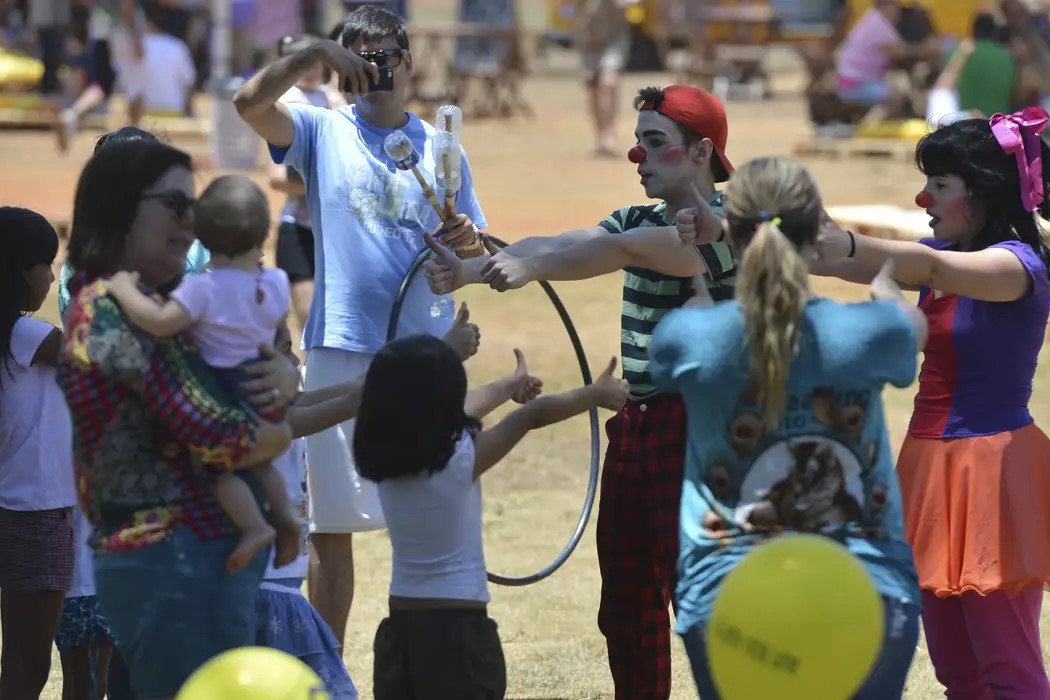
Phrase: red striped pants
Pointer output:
(637, 541)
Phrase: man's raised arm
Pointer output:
(257, 100)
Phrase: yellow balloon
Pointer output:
(253, 673)
(798, 619)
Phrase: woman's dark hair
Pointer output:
(28, 240)
(107, 200)
(124, 134)
(412, 412)
(968, 149)
(373, 24)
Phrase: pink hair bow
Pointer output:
(1018, 133)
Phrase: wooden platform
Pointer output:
(883, 221)
(899, 149)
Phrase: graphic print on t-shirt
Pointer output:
(377, 199)
(809, 484)
(812, 478)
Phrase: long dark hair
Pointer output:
(107, 200)
(412, 412)
(969, 150)
(28, 240)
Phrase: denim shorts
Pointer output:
(81, 623)
(887, 678)
(172, 606)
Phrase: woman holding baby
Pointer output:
(154, 427)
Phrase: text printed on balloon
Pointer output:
(759, 651)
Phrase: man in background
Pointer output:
(603, 37)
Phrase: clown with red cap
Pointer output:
(680, 156)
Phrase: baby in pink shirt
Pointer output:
(864, 59)
(229, 312)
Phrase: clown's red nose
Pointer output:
(637, 155)
(924, 200)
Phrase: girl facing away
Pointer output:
(974, 468)
(786, 431)
(230, 312)
(438, 641)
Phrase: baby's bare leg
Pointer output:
(236, 499)
(289, 527)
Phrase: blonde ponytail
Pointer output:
(772, 290)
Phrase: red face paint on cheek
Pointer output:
(673, 155)
(924, 200)
(637, 155)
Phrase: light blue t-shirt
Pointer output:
(197, 260)
(368, 221)
(827, 468)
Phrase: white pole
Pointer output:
(221, 41)
(234, 145)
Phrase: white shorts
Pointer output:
(340, 500)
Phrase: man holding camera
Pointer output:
(369, 218)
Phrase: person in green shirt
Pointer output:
(980, 78)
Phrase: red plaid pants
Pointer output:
(638, 543)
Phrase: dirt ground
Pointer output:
(536, 177)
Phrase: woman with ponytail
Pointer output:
(785, 424)
(974, 468)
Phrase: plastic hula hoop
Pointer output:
(585, 372)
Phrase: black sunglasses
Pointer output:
(177, 202)
(384, 58)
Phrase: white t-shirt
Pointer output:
(229, 320)
(36, 432)
(164, 75)
(434, 521)
(292, 467)
(84, 557)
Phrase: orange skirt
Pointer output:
(977, 511)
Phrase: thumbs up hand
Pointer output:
(610, 392)
(443, 270)
(525, 386)
(464, 337)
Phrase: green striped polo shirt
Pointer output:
(648, 296)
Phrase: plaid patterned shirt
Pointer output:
(149, 423)
(648, 296)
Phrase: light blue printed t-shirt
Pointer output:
(827, 468)
(368, 222)
(197, 260)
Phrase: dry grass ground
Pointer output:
(535, 177)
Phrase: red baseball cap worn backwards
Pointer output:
(701, 113)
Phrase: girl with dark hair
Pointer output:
(198, 257)
(974, 468)
(438, 641)
(37, 494)
(786, 431)
(151, 423)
